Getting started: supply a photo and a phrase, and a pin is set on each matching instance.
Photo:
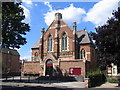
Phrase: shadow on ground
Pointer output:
(32, 88)
(42, 80)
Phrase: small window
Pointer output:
(82, 54)
(49, 47)
(64, 41)
(114, 71)
(36, 57)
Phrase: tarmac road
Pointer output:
(50, 85)
(31, 88)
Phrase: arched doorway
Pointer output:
(49, 67)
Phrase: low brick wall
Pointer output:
(31, 67)
(65, 66)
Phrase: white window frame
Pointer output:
(49, 43)
(64, 40)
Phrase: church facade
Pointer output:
(62, 51)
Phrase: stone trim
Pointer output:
(87, 52)
(59, 26)
(71, 60)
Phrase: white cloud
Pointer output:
(15, 48)
(69, 14)
(36, 4)
(27, 58)
(101, 11)
(28, 3)
(27, 14)
(48, 4)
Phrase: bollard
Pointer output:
(6, 78)
(13, 78)
(86, 80)
(20, 78)
(29, 79)
(38, 79)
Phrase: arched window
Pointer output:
(49, 47)
(82, 54)
(36, 57)
(64, 41)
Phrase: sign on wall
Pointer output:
(75, 71)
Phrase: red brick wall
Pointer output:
(15, 64)
(87, 49)
(52, 32)
(33, 53)
(65, 66)
(91, 57)
(69, 33)
(31, 67)
(11, 62)
(60, 32)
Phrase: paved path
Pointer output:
(108, 85)
(42, 83)
(58, 85)
(53, 84)
(69, 85)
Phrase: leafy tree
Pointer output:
(107, 40)
(0, 23)
(13, 27)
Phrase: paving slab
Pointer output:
(108, 85)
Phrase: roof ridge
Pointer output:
(80, 30)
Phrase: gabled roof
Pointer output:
(36, 45)
(83, 37)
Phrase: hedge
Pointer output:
(112, 80)
(96, 80)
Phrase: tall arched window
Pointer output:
(49, 47)
(64, 41)
(36, 57)
(82, 54)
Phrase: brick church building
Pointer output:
(62, 51)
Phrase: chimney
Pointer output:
(74, 27)
(42, 32)
(58, 16)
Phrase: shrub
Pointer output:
(96, 78)
(93, 73)
(112, 80)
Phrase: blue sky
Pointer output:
(40, 14)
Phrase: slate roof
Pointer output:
(36, 45)
(10, 51)
(83, 37)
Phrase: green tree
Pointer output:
(0, 23)
(13, 27)
(107, 40)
